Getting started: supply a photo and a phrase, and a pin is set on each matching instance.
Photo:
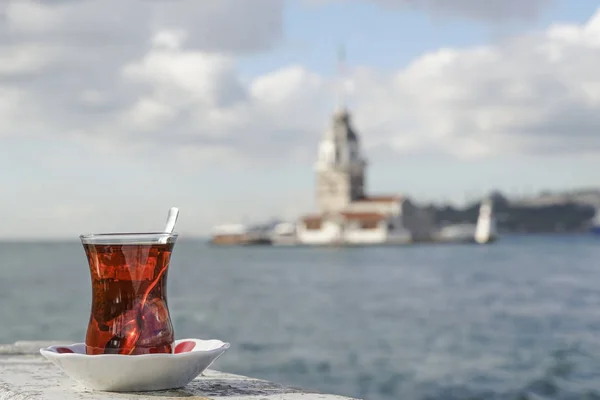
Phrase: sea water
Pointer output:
(518, 319)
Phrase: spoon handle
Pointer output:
(171, 219)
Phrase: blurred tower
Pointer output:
(340, 165)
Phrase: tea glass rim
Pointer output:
(126, 237)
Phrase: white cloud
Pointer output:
(534, 94)
(149, 114)
(164, 86)
(25, 59)
(491, 10)
(137, 109)
(183, 76)
(215, 26)
(64, 60)
(484, 10)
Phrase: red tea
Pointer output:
(129, 307)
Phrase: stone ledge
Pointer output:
(26, 347)
(26, 375)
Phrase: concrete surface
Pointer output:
(26, 375)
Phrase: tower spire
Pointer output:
(341, 95)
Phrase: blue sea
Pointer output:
(518, 319)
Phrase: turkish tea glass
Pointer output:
(129, 312)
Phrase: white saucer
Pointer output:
(139, 373)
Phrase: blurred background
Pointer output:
(379, 198)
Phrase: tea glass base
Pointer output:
(137, 373)
(136, 351)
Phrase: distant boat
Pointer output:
(239, 234)
(483, 232)
(284, 233)
(456, 233)
(486, 230)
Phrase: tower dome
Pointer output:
(340, 145)
(340, 165)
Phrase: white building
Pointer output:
(347, 214)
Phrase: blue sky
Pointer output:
(107, 120)
(389, 39)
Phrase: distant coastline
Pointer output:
(549, 212)
(560, 212)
